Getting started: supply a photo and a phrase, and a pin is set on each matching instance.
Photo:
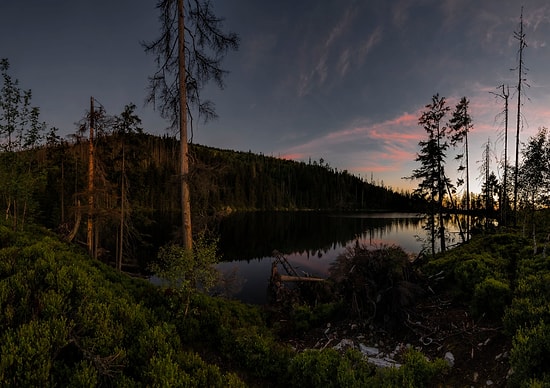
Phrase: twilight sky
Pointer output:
(341, 80)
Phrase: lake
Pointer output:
(310, 241)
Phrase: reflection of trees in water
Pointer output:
(248, 236)
(379, 232)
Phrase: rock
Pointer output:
(383, 362)
(345, 343)
(489, 382)
(476, 376)
(450, 358)
(368, 351)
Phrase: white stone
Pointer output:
(383, 362)
(368, 351)
(450, 358)
(345, 343)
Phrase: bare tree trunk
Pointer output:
(184, 153)
(122, 200)
(522, 44)
(441, 191)
(468, 219)
(63, 190)
(505, 202)
(90, 223)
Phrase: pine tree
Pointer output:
(432, 172)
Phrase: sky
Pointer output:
(340, 80)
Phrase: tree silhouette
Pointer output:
(188, 56)
(520, 37)
(461, 124)
(432, 158)
(505, 94)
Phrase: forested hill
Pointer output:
(221, 180)
(244, 180)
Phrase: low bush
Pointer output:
(257, 351)
(417, 371)
(327, 368)
(530, 355)
(304, 317)
(491, 297)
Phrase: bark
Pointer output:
(184, 152)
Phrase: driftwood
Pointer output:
(292, 276)
(286, 278)
(277, 291)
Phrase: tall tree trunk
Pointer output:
(505, 189)
(90, 223)
(521, 38)
(184, 151)
(63, 190)
(441, 193)
(468, 219)
(122, 200)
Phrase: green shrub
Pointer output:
(327, 368)
(473, 270)
(530, 354)
(186, 271)
(27, 353)
(491, 297)
(212, 319)
(416, 372)
(531, 303)
(305, 317)
(257, 352)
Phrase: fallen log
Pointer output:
(286, 278)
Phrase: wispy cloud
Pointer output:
(334, 56)
(377, 147)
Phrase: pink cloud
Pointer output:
(292, 156)
(396, 143)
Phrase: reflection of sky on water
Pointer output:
(254, 274)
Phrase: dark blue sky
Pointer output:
(341, 80)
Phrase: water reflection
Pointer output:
(310, 241)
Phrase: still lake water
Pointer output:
(310, 241)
